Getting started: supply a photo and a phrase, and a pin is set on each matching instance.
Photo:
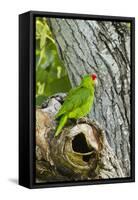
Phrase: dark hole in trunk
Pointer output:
(86, 158)
(79, 144)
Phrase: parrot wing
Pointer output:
(75, 98)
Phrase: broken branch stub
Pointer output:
(80, 152)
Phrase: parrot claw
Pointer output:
(82, 120)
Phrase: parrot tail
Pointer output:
(62, 123)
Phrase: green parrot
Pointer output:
(78, 102)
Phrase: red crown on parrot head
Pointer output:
(94, 76)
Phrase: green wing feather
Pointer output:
(76, 97)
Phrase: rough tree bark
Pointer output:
(102, 47)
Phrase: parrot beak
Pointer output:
(96, 82)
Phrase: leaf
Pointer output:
(59, 70)
(58, 85)
(39, 28)
(40, 88)
(42, 58)
(41, 75)
(40, 99)
(42, 39)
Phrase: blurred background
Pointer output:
(51, 74)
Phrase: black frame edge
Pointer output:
(81, 16)
(133, 99)
(24, 96)
(31, 79)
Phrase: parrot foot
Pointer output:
(82, 120)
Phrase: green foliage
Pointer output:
(51, 75)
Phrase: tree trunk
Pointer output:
(101, 47)
(80, 152)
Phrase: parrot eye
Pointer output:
(93, 76)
